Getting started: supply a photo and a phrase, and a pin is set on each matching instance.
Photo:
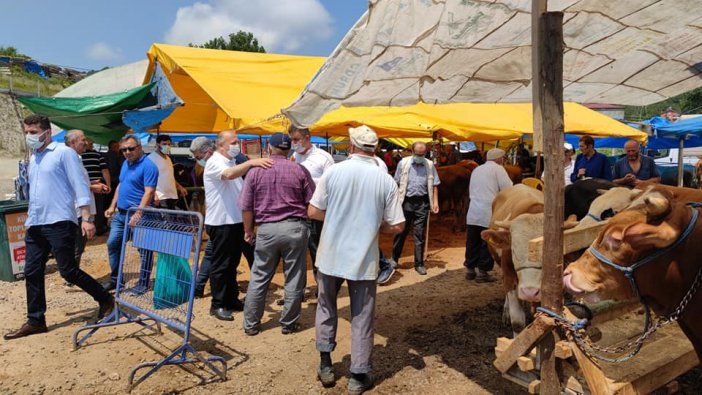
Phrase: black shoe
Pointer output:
(26, 329)
(106, 308)
(108, 285)
(288, 329)
(470, 275)
(421, 270)
(360, 383)
(237, 305)
(484, 277)
(252, 331)
(199, 292)
(222, 314)
(326, 376)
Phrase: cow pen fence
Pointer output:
(666, 355)
(156, 284)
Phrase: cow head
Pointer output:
(628, 237)
(610, 202)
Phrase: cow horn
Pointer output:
(506, 224)
(570, 222)
(656, 204)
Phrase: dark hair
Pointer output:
(587, 140)
(36, 119)
(162, 137)
(112, 142)
(304, 131)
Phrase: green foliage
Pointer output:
(239, 41)
(687, 103)
(12, 52)
(33, 83)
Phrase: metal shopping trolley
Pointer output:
(156, 283)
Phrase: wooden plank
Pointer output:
(550, 70)
(520, 378)
(574, 239)
(526, 364)
(596, 380)
(502, 344)
(563, 350)
(534, 387)
(525, 341)
(574, 385)
(661, 375)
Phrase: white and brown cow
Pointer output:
(635, 234)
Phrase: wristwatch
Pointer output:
(90, 220)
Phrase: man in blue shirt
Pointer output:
(635, 168)
(137, 186)
(590, 163)
(57, 185)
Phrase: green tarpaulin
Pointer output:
(100, 117)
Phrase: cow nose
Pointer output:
(530, 294)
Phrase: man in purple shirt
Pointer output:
(276, 200)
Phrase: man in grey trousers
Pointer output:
(276, 199)
(356, 199)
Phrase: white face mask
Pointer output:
(234, 150)
(165, 149)
(298, 148)
(34, 140)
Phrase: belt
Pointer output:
(122, 211)
(289, 219)
(421, 197)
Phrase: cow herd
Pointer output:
(644, 223)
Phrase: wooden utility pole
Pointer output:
(538, 8)
(548, 53)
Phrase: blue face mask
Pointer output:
(418, 159)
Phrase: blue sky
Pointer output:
(92, 34)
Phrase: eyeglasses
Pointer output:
(127, 149)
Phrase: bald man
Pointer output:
(635, 168)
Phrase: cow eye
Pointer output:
(607, 214)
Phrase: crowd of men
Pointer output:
(272, 209)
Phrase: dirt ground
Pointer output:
(435, 334)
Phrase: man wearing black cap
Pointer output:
(276, 200)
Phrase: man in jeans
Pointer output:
(276, 199)
(137, 185)
(57, 183)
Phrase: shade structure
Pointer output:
(100, 117)
(228, 89)
(466, 122)
(402, 52)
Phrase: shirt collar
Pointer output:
(362, 157)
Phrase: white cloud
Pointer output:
(103, 52)
(279, 25)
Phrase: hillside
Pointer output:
(11, 135)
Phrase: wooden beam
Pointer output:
(563, 350)
(596, 380)
(538, 8)
(550, 70)
(534, 387)
(525, 341)
(574, 239)
(526, 364)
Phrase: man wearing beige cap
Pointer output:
(356, 199)
(486, 181)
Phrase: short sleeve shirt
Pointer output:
(94, 163)
(358, 196)
(166, 186)
(647, 170)
(133, 178)
(316, 161)
(221, 196)
(485, 182)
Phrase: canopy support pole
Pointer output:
(681, 165)
(547, 53)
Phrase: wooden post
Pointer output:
(549, 101)
(681, 165)
(538, 8)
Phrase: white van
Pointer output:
(670, 156)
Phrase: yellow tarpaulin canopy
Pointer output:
(466, 121)
(228, 89)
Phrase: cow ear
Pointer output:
(499, 238)
(656, 204)
(613, 240)
(641, 235)
(570, 222)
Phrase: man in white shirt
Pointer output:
(485, 182)
(316, 161)
(167, 189)
(356, 199)
(223, 219)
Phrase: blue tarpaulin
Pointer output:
(33, 67)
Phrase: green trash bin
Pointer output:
(13, 214)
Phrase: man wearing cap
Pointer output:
(316, 161)
(634, 168)
(276, 200)
(418, 180)
(224, 221)
(348, 251)
(589, 162)
(485, 182)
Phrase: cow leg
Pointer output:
(516, 313)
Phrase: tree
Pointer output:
(239, 41)
(687, 103)
(12, 52)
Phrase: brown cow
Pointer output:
(453, 189)
(633, 235)
(515, 173)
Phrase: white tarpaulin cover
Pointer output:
(445, 51)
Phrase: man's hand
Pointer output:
(135, 218)
(88, 229)
(181, 190)
(435, 207)
(249, 237)
(109, 212)
(581, 172)
(261, 162)
(99, 188)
